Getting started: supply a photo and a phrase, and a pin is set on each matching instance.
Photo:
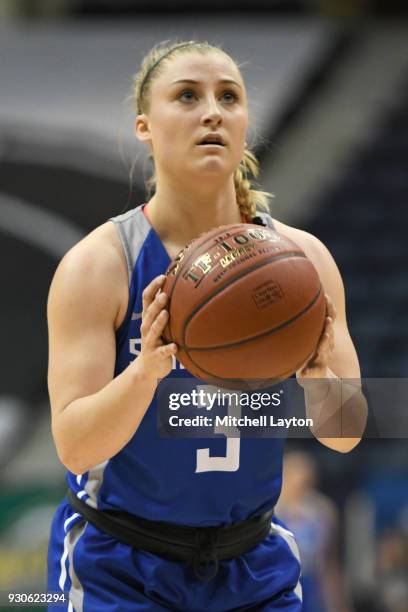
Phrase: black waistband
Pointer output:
(203, 546)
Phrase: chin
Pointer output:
(214, 167)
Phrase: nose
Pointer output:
(211, 114)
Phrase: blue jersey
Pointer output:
(190, 481)
(199, 482)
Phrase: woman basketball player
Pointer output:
(153, 523)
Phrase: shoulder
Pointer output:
(96, 255)
(93, 272)
(311, 245)
(318, 254)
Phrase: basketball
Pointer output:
(244, 303)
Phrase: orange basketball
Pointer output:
(245, 303)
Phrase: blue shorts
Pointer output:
(103, 575)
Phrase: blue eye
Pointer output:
(186, 92)
(188, 95)
(233, 95)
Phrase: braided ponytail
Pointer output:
(249, 200)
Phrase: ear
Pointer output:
(142, 128)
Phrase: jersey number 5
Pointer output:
(230, 461)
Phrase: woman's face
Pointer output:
(193, 96)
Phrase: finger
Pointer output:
(322, 350)
(153, 335)
(153, 311)
(151, 290)
(328, 328)
(330, 331)
(329, 325)
(328, 299)
(166, 350)
(159, 302)
(324, 331)
(325, 344)
(331, 309)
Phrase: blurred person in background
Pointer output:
(392, 570)
(314, 520)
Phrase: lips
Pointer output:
(212, 139)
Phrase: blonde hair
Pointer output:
(248, 198)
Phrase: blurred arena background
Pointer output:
(328, 88)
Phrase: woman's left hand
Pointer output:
(317, 365)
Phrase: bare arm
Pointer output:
(93, 414)
(336, 404)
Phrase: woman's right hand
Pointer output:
(155, 357)
(94, 412)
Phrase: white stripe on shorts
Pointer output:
(291, 542)
(63, 574)
(76, 593)
(71, 518)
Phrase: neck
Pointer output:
(179, 213)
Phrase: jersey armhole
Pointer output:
(125, 247)
(123, 241)
(133, 229)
